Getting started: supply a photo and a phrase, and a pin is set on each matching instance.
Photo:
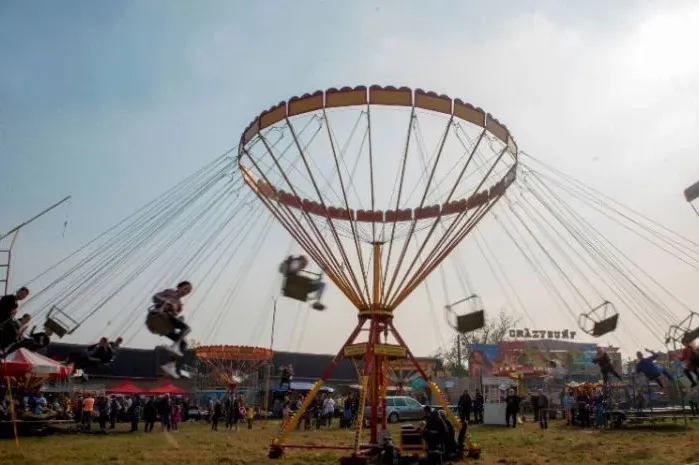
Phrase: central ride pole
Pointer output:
(374, 362)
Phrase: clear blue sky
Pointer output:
(113, 102)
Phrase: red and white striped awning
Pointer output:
(23, 362)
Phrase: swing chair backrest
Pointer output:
(159, 323)
(298, 286)
(606, 326)
(59, 322)
(470, 322)
(690, 336)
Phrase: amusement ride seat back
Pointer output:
(600, 320)
(690, 336)
(605, 326)
(300, 285)
(59, 322)
(470, 321)
(158, 323)
(466, 322)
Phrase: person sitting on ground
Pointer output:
(650, 369)
(292, 266)
(605, 364)
(451, 448)
(690, 357)
(434, 432)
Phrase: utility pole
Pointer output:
(270, 365)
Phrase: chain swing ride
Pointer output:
(376, 247)
(377, 226)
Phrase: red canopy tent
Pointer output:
(168, 388)
(125, 387)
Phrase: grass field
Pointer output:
(196, 444)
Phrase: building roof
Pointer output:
(144, 363)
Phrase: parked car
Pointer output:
(399, 408)
(454, 408)
(197, 414)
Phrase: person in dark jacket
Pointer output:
(10, 303)
(512, 402)
(605, 365)
(542, 403)
(150, 415)
(434, 433)
(478, 402)
(465, 406)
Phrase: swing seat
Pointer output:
(601, 320)
(59, 322)
(299, 286)
(159, 323)
(470, 322)
(606, 326)
(690, 336)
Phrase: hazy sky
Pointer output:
(113, 102)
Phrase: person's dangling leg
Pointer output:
(659, 382)
(690, 376)
(605, 376)
(178, 335)
(318, 289)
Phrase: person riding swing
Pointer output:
(95, 355)
(292, 268)
(34, 341)
(165, 319)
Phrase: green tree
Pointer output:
(455, 358)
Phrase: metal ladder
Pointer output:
(5, 257)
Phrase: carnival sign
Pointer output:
(526, 333)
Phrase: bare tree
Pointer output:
(455, 359)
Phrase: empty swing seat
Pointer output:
(470, 322)
(59, 322)
(690, 336)
(159, 323)
(299, 287)
(599, 321)
(606, 326)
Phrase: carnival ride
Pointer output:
(235, 368)
(376, 245)
(386, 230)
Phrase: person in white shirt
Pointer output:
(293, 266)
(328, 411)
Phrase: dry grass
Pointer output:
(196, 444)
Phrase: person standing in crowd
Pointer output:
(512, 402)
(216, 415)
(465, 406)
(150, 415)
(478, 402)
(542, 403)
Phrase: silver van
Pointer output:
(400, 408)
